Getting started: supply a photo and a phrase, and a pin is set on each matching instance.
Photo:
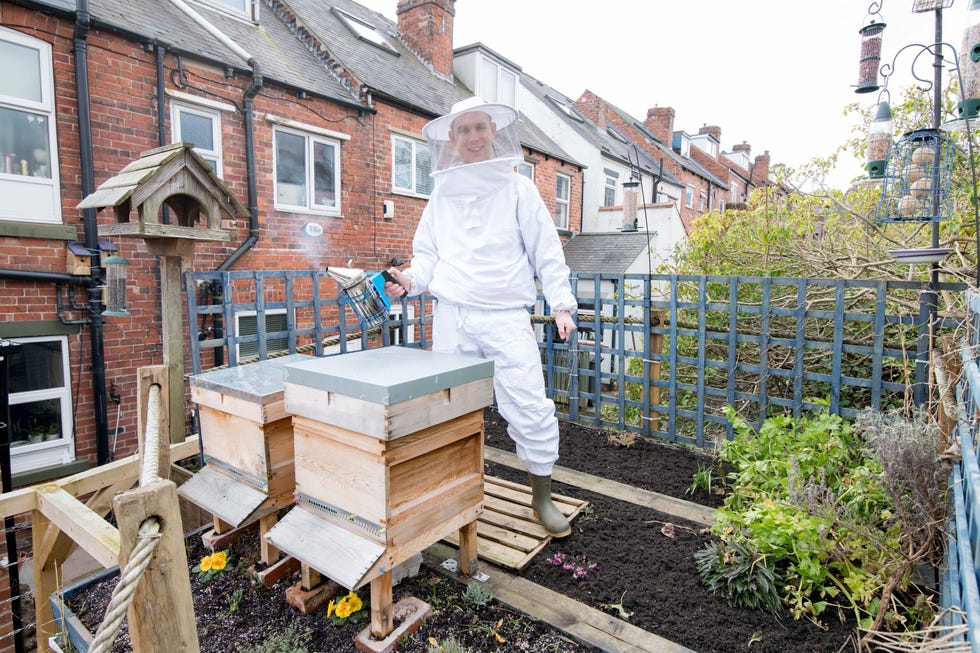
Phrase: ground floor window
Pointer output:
(40, 404)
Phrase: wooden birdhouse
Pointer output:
(388, 450)
(174, 176)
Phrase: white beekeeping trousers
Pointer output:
(507, 338)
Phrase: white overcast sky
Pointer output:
(774, 73)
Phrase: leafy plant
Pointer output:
(623, 439)
(737, 572)
(618, 608)
(235, 600)
(704, 479)
(213, 565)
(291, 640)
(476, 596)
(350, 608)
(807, 498)
(579, 566)
(449, 645)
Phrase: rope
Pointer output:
(147, 538)
(122, 595)
(151, 438)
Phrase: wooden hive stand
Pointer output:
(247, 441)
(388, 460)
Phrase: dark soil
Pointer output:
(643, 565)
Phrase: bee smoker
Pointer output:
(364, 293)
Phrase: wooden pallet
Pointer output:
(508, 534)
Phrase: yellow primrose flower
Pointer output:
(206, 563)
(330, 608)
(354, 601)
(218, 560)
(343, 610)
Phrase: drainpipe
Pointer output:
(250, 93)
(161, 120)
(86, 162)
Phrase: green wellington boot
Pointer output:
(551, 518)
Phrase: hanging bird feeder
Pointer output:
(879, 140)
(870, 57)
(916, 183)
(969, 104)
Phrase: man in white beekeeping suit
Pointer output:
(483, 237)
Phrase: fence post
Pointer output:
(656, 347)
(161, 617)
(927, 310)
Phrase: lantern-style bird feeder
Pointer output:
(917, 179)
(879, 140)
(870, 57)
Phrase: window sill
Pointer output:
(42, 474)
(37, 230)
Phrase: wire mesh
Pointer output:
(916, 184)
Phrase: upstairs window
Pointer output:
(307, 172)
(609, 191)
(495, 83)
(689, 197)
(29, 182)
(569, 111)
(526, 169)
(364, 30)
(242, 8)
(563, 191)
(410, 166)
(199, 126)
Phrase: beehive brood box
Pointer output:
(247, 441)
(388, 457)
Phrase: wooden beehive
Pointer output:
(247, 440)
(388, 457)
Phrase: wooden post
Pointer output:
(269, 554)
(161, 617)
(467, 549)
(656, 347)
(172, 252)
(149, 376)
(45, 580)
(382, 619)
(309, 577)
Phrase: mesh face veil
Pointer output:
(473, 132)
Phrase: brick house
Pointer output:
(309, 114)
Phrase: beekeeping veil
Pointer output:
(473, 133)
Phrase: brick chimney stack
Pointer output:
(427, 27)
(660, 121)
(760, 171)
(593, 108)
(711, 130)
(743, 147)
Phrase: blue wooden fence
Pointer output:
(960, 571)
(657, 355)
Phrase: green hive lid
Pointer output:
(388, 375)
(253, 382)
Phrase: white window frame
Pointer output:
(311, 138)
(248, 9)
(562, 204)
(689, 196)
(238, 330)
(490, 90)
(32, 456)
(526, 169)
(415, 144)
(703, 201)
(611, 182)
(176, 108)
(28, 198)
(364, 31)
